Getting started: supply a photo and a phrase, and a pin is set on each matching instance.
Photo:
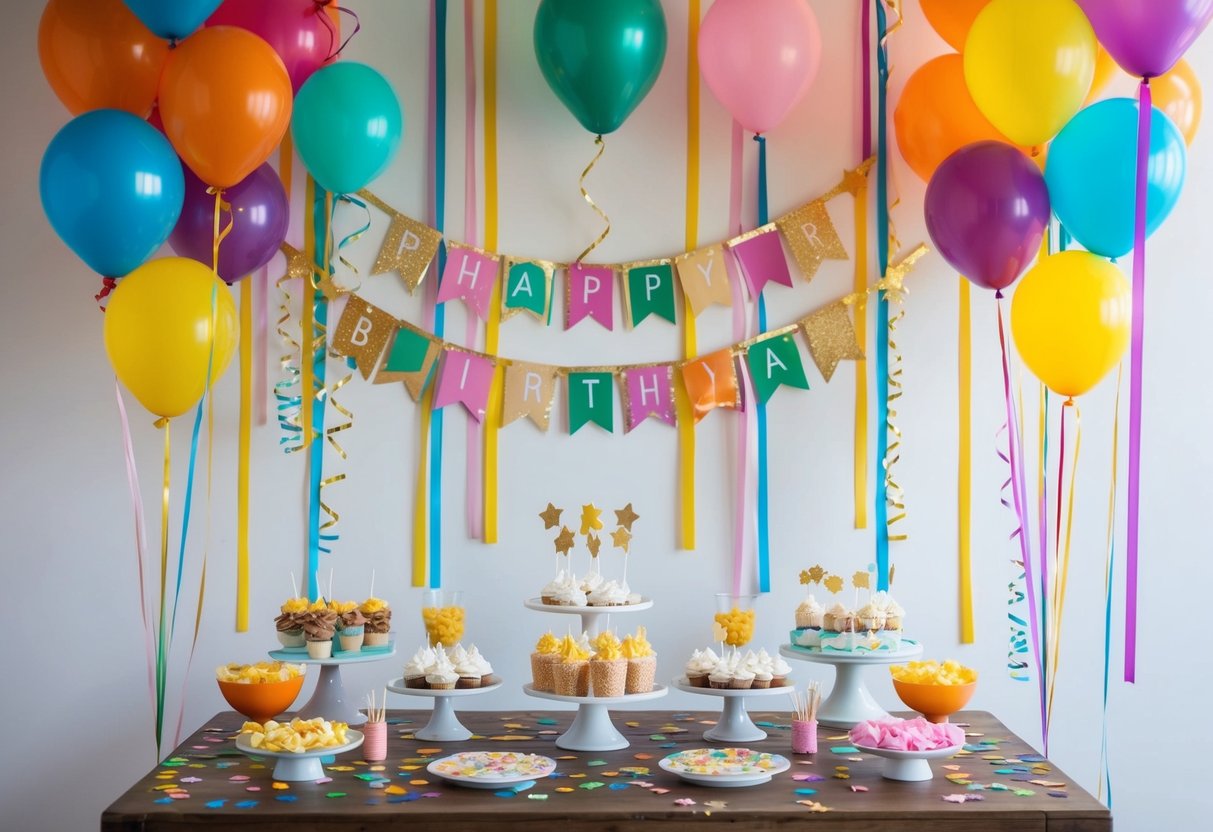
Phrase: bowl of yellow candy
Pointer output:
(933, 689)
(735, 614)
(260, 691)
(442, 614)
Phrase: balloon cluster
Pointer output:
(981, 125)
(178, 105)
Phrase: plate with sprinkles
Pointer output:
(491, 769)
(725, 767)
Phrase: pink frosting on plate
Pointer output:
(907, 734)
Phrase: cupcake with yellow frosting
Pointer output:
(642, 662)
(608, 667)
(290, 622)
(571, 674)
(543, 662)
(378, 621)
(319, 627)
(351, 625)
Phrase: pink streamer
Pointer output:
(1145, 108)
(475, 469)
(261, 328)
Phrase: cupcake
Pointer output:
(378, 621)
(591, 582)
(571, 673)
(290, 623)
(870, 617)
(350, 624)
(779, 672)
(480, 665)
(417, 667)
(642, 662)
(608, 667)
(469, 675)
(441, 675)
(743, 674)
(319, 627)
(700, 665)
(609, 594)
(832, 618)
(763, 668)
(543, 662)
(893, 615)
(809, 613)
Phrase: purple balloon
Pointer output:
(1147, 37)
(300, 31)
(987, 207)
(259, 221)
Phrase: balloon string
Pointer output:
(219, 234)
(586, 196)
(1109, 567)
(328, 23)
(349, 240)
(108, 284)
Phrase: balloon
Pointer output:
(1029, 65)
(158, 332)
(987, 208)
(952, 19)
(1177, 93)
(759, 57)
(600, 57)
(936, 116)
(1147, 37)
(1092, 174)
(1105, 70)
(172, 19)
(1070, 319)
(97, 55)
(298, 30)
(112, 189)
(225, 100)
(259, 217)
(346, 126)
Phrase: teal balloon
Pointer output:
(600, 57)
(346, 124)
(172, 19)
(112, 188)
(1092, 168)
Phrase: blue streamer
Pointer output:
(439, 311)
(881, 502)
(320, 227)
(764, 531)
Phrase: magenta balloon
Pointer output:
(259, 220)
(987, 207)
(1147, 37)
(300, 31)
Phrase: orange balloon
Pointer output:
(1105, 70)
(1177, 93)
(96, 53)
(225, 100)
(936, 116)
(952, 18)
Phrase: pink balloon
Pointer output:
(300, 31)
(759, 57)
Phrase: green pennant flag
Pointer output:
(775, 361)
(650, 292)
(590, 401)
(527, 288)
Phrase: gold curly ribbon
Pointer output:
(895, 496)
(589, 199)
(287, 390)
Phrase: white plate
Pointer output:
(910, 648)
(657, 692)
(752, 778)
(297, 767)
(909, 766)
(397, 686)
(489, 782)
(373, 655)
(728, 693)
(537, 604)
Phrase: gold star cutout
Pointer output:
(834, 583)
(550, 516)
(621, 538)
(804, 576)
(854, 180)
(564, 540)
(816, 573)
(591, 518)
(297, 264)
(860, 579)
(626, 517)
(593, 542)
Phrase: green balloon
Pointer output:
(600, 57)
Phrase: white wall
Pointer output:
(76, 704)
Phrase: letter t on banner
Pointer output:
(589, 398)
(466, 378)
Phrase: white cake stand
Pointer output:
(849, 702)
(329, 699)
(592, 730)
(735, 724)
(295, 767)
(591, 617)
(910, 766)
(443, 726)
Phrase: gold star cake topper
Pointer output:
(626, 516)
(564, 540)
(621, 537)
(593, 542)
(591, 518)
(834, 583)
(550, 516)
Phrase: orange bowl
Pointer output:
(935, 702)
(261, 701)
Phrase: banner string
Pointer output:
(492, 422)
(690, 347)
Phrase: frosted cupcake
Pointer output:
(893, 615)
(700, 666)
(608, 667)
(870, 617)
(810, 613)
(319, 627)
(839, 619)
(478, 665)
(350, 624)
(609, 594)
(543, 662)
(290, 622)
(642, 662)
(442, 675)
(571, 673)
(416, 667)
(378, 622)
(779, 672)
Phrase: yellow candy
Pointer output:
(443, 625)
(297, 736)
(951, 672)
(738, 625)
(259, 673)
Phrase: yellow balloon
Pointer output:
(1070, 319)
(1029, 66)
(158, 332)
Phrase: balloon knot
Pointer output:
(1068, 402)
(998, 294)
(172, 42)
(161, 423)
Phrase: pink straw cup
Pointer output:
(804, 736)
(374, 742)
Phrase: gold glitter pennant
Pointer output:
(704, 278)
(362, 333)
(811, 236)
(831, 338)
(408, 246)
(529, 391)
(415, 380)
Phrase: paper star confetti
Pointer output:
(626, 517)
(591, 518)
(564, 540)
(813, 805)
(550, 516)
(593, 542)
(621, 538)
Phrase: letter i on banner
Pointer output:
(464, 378)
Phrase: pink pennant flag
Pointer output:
(464, 378)
(588, 291)
(760, 254)
(469, 276)
(648, 392)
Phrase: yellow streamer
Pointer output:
(860, 475)
(690, 347)
(492, 327)
(420, 509)
(242, 461)
(964, 464)
(586, 196)
(1063, 561)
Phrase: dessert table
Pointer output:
(214, 786)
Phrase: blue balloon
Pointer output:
(346, 124)
(112, 188)
(1092, 169)
(172, 19)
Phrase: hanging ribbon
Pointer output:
(492, 328)
(245, 431)
(1063, 548)
(1105, 778)
(859, 476)
(1018, 651)
(764, 530)
(315, 320)
(328, 21)
(590, 201)
(439, 149)
(1145, 107)
(1042, 515)
(964, 463)
(880, 501)
(741, 490)
(162, 630)
(473, 479)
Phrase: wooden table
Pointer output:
(625, 802)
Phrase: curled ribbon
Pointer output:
(589, 199)
(894, 495)
(288, 390)
(322, 10)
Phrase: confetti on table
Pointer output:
(246, 804)
(684, 801)
(238, 778)
(657, 737)
(216, 804)
(1057, 794)
(537, 796)
(1044, 783)
(191, 779)
(252, 788)
(596, 763)
(286, 798)
(955, 798)
(1024, 792)
(429, 752)
(564, 789)
(642, 756)
(419, 782)
(656, 790)
(335, 794)
(859, 788)
(632, 724)
(951, 767)
(396, 790)
(813, 805)
(806, 791)
(568, 757)
(547, 720)
(592, 785)
(844, 749)
(807, 777)
(617, 787)
(324, 780)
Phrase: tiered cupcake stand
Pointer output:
(444, 725)
(734, 724)
(329, 699)
(592, 729)
(849, 702)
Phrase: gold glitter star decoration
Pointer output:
(550, 516)
(816, 573)
(593, 542)
(622, 538)
(804, 577)
(860, 580)
(591, 518)
(626, 517)
(833, 583)
(564, 540)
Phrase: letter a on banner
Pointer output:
(711, 382)
(590, 400)
(776, 361)
(528, 287)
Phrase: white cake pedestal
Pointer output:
(591, 617)
(592, 729)
(735, 724)
(443, 726)
(329, 699)
(299, 767)
(849, 702)
(909, 766)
